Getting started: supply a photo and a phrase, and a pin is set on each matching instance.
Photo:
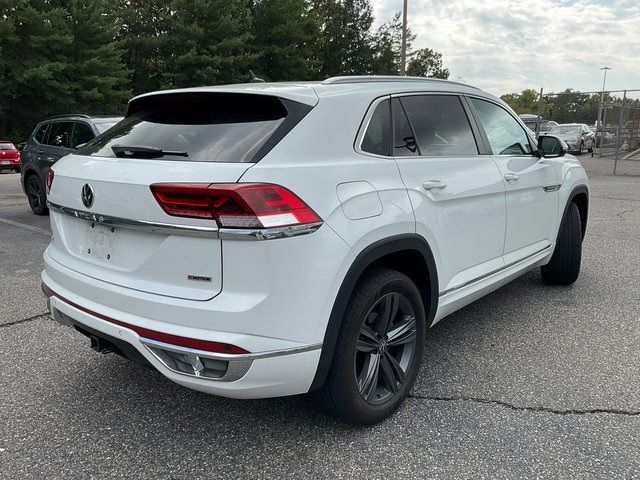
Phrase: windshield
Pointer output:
(201, 128)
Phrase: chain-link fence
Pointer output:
(602, 128)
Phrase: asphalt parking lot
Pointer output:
(529, 382)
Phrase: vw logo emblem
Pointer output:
(87, 195)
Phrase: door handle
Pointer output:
(433, 185)
(40, 152)
(511, 177)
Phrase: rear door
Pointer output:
(106, 222)
(457, 194)
(531, 183)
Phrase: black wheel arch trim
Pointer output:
(377, 250)
(575, 192)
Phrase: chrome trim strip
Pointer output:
(229, 357)
(268, 233)
(493, 272)
(189, 230)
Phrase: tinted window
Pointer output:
(60, 134)
(505, 134)
(6, 146)
(404, 142)
(440, 124)
(376, 138)
(82, 133)
(198, 127)
(41, 133)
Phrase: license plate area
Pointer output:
(101, 240)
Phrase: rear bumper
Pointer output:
(274, 307)
(263, 374)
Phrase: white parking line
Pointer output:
(28, 227)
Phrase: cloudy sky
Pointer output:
(506, 46)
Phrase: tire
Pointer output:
(564, 266)
(348, 391)
(36, 195)
(17, 170)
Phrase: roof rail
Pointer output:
(386, 78)
(82, 115)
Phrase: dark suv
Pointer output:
(51, 140)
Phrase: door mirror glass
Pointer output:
(551, 146)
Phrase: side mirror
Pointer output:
(551, 146)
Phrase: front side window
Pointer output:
(82, 133)
(440, 125)
(60, 134)
(404, 141)
(505, 134)
(377, 136)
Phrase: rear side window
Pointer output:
(6, 146)
(82, 133)
(377, 136)
(60, 134)
(440, 125)
(208, 127)
(41, 134)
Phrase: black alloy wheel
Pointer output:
(379, 348)
(385, 349)
(36, 195)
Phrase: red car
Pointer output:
(9, 157)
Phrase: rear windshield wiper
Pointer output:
(132, 151)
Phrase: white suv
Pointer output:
(262, 240)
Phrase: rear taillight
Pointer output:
(49, 181)
(235, 205)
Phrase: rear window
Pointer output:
(208, 127)
(6, 146)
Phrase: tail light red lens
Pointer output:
(49, 180)
(235, 205)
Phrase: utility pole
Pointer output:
(604, 82)
(403, 50)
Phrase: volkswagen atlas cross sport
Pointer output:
(262, 240)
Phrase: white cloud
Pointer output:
(507, 46)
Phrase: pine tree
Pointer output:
(97, 75)
(388, 45)
(145, 29)
(283, 39)
(357, 22)
(210, 43)
(427, 63)
(34, 36)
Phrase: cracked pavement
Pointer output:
(528, 382)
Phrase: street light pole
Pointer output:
(403, 51)
(604, 82)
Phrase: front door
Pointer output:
(531, 183)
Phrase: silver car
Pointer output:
(578, 136)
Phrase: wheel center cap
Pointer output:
(382, 346)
